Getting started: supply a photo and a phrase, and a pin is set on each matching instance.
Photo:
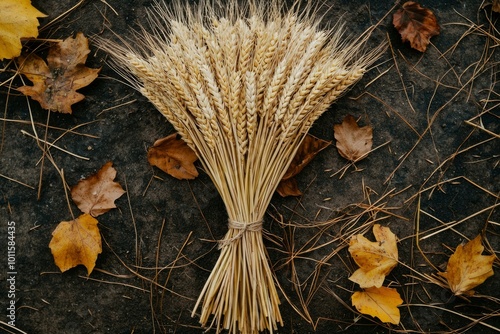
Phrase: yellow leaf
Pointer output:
(76, 242)
(56, 82)
(379, 302)
(467, 268)
(375, 259)
(97, 193)
(18, 19)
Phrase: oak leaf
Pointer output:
(380, 302)
(56, 82)
(18, 19)
(76, 242)
(173, 156)
(307, 150)
(353, 142)
(467, 268)
(96, 194)
(416, 25)
(375, 259)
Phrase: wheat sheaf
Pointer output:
(242, 85)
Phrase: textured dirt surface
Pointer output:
(163, 230)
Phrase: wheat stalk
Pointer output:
(242, 85)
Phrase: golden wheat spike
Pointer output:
(242, 84)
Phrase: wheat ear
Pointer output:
(242, 84)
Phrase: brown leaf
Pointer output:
(308, 149)
(96, 194)
(173, 156)
(76, 242)
(353, 142)
(467, 268)
(379, 302)
(55, 82)
(18, 20)
(416, 25)
(496, 6)
(288, 187)
(375, 259)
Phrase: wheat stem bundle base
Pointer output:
(242, 85)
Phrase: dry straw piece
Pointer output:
(242, 85)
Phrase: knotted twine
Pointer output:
(241, 227)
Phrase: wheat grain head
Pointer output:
(242, 84)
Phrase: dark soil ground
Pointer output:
(435, 116)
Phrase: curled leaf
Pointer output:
(56, 82)
(495, 6)
(307, 150)
(467, 268)
(173, 156)
(96, 194)
(76, 242)
(288, 187)
(416, 25)
(353, 142)
(379, 302)
(375, 259)
(18, 19)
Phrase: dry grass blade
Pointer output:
(16, 181)
(242, 85)
(9, 329)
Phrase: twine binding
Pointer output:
(241, 227)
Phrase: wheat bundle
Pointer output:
(242, 85)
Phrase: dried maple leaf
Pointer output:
(375, 259)
(173, 156)
(96, 194)
(76, 242)
(307, 150)
(416, 25)
(467, 268)
(379, 302)
(353, 142)
(55, 82)
(18, 19)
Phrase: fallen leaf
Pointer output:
(173, 156)
(375, 259)
(18, 20)
(55, 82)
(96, 194)
(307, 150)
(496, 6)
(467, 268)
(416, 25)
(379, 302)
(353, 142)
(288, 187)
(76, 242)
